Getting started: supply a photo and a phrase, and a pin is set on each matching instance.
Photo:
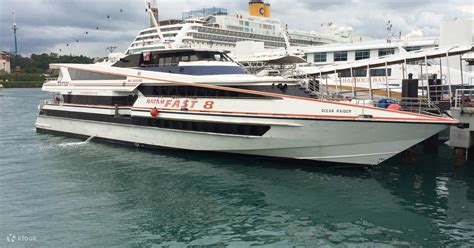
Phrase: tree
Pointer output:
(39, 63)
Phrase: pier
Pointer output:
(429, 94)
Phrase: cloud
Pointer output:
(48, 25)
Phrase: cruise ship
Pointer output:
(216, 28)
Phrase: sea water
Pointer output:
(63, 192)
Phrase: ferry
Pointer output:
(201, 99)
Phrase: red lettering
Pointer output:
(176, 104)
(209, 104)
(168, 102)
(193, 103)
(185, 104)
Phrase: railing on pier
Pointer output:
(464, 98)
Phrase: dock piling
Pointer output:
(430, 145)
(408, 156)
(459, 156)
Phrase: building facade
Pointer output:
(5, 59)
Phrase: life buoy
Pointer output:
(154, 112)
(394, 106)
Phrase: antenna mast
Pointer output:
(111, 49)
(152, 9)
(286, 36)
(15, 28)
(389, 32)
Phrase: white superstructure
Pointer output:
(217, 29)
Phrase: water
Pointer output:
(65, 192)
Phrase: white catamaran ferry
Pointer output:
(199, 99)
(202, 100)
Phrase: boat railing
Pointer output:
(464, 98)
(48, 79)
(470, 80)
(49, 102)
(419, 105)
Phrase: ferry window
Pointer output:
(182, 91)
(386, 51)
(320, 57)
(211, 92)
(194, 57)
(99, 100)
(172, 91)
(191, 91)
(176, 60)
(155, 59)
(85, 75)
(168, 61)
(217, 57)
(362, 54)
(208, 127)
(340, 56)
(412, 48)
(201, 91)
(185, 58)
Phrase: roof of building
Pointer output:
(373, 44)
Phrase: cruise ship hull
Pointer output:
(351, 142)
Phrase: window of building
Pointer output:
(355, 73)
(380, 72)
(340, 56)
(320, 57)
(362, 54)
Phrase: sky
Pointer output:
(49, 25)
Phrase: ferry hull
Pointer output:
(351, 142)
